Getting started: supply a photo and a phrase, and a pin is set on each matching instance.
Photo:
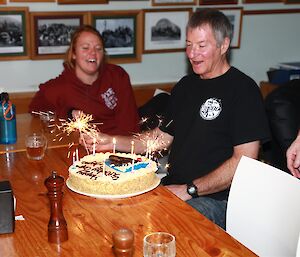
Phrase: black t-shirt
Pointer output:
(207, 118)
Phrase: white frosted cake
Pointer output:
(112, 174)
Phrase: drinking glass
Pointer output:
(159, 244)
(47, 118)
(36, 145)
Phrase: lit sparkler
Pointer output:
(81, 123)
(153, 141)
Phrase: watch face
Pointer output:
(192, 190)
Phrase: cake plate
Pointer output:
(156, 183)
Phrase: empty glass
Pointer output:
(159, 244)
(47, 119)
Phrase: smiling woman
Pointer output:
(90, 85)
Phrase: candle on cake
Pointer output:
(77, 155)
(114, 145)
(132, 147)
(94, 146)
(147, 149)
(74, 157)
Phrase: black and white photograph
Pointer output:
(55, 34)
(52, 34)
(13, 33)
(118, 35)
(165, 30)
(121, 34)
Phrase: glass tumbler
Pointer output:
(159, 244)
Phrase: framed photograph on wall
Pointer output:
(217, 2)
(264, 1)
(14, 33)
(235, 16)
(51, 33)
(173, 2)
(165, 29)
(82, 1)
(291, 1)
(122, 34)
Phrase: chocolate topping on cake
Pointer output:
(119, 160)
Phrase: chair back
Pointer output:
(263, 210)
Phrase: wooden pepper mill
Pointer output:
(123, 242)
(57, 226)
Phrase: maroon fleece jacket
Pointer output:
(109, 99)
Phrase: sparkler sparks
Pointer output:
(153, 140)
(81, 123)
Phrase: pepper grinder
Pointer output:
(123, 242)
(57, 226)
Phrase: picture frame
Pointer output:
(122, 34)
(264, 1)
(14, 33)
(31, 1)
(82, 1)
(51, 33)
(172, 2)
(235, 16)
(291, 1)
(217, 2)
(165, 29)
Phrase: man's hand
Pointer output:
(293, 157)
(179, 191)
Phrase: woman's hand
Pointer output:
(76, 113)
(103, 142)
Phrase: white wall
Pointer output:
(267, 39)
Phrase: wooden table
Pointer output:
(26, 124)
(92, 221)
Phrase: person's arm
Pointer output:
(220, 178)
(293, 157)
(104, 142)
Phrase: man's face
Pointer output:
(206, 57)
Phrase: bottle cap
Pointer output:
(4, 96)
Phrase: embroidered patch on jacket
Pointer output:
(211, 109)
(110, 98)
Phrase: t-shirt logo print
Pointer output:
(110, 98)
(211, 109)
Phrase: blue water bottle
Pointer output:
(8, 128)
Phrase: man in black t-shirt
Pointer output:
(214, 116)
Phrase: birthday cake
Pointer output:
(112, 174)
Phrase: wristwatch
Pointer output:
(192, 190)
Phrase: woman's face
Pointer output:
(88, 54)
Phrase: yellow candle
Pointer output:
(132, 147)
(114, 145)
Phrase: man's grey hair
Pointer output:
(217, 20)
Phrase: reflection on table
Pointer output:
(92, 221)
(26, 124)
